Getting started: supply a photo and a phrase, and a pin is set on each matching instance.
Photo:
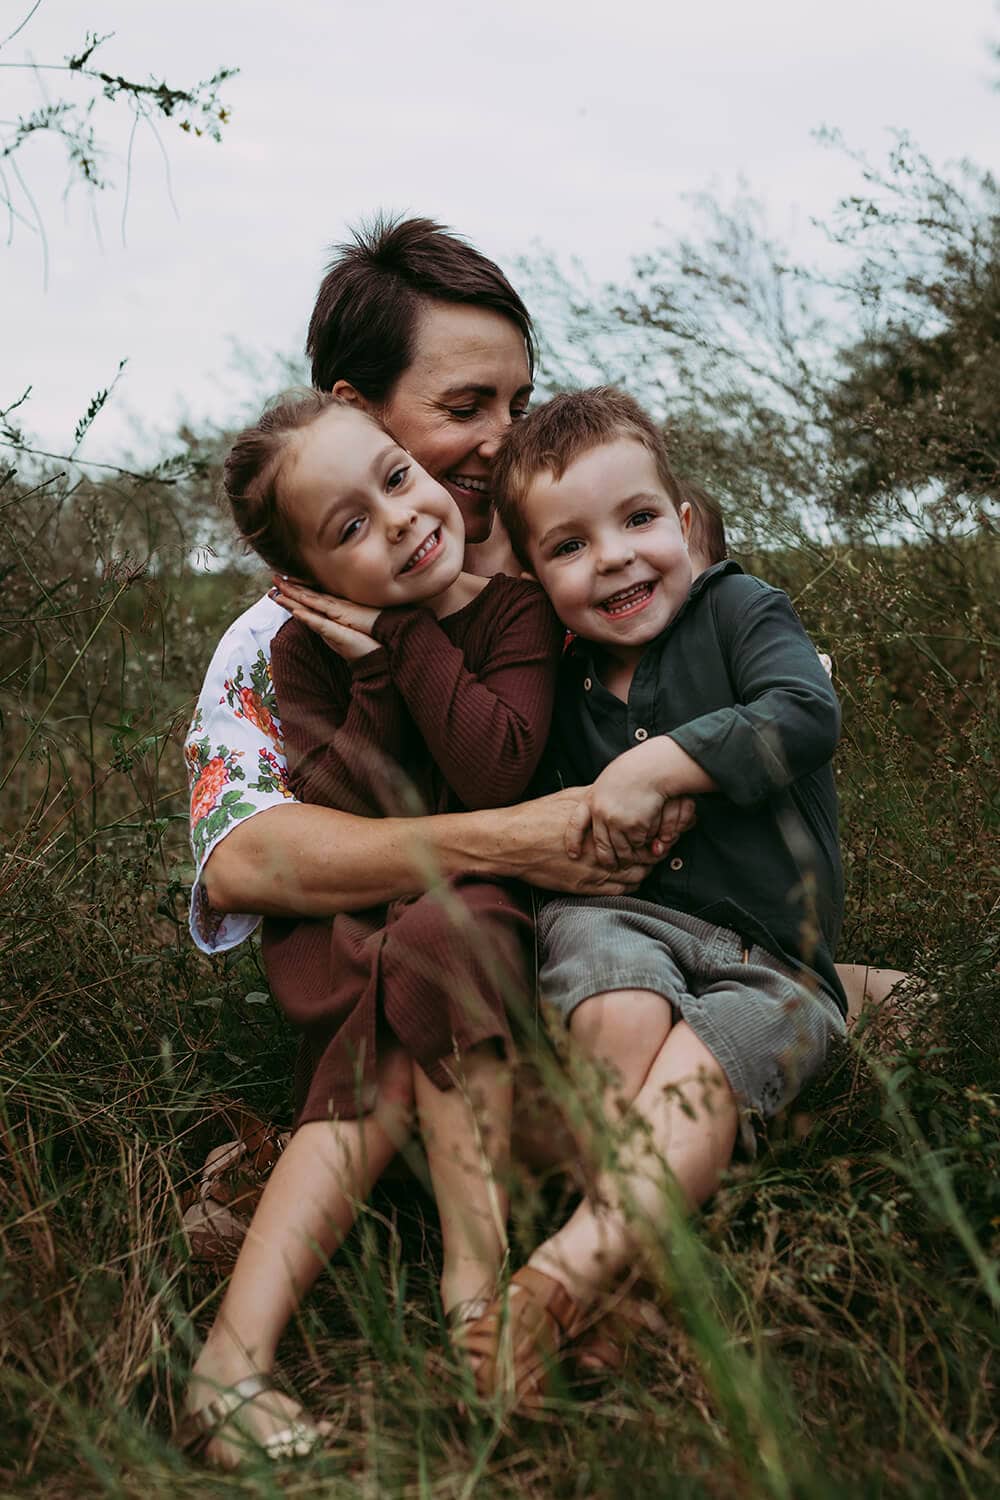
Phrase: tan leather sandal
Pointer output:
(604, 1347)
(515, 1344)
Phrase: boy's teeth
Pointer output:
(626, 598)
(423, 550)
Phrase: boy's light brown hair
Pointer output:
(555, 435)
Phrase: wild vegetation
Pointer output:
(833, 1324)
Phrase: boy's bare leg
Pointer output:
(466, 1133)
(688, 1116)
(306, 1210)
(864, 985)
(622, 1031)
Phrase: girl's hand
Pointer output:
(345, 627)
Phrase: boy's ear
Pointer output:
(685, 515)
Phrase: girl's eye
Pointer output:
(567, 548)
(397, 477)
(641, 517)
(351, 529)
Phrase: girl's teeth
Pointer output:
(422, 551)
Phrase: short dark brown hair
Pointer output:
(553, 436)
(252, 474)
(362, 325)
(708, 529)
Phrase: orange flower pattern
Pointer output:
(234, 757)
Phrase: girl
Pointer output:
(430, 689)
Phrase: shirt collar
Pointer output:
(583, 651)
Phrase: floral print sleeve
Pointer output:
(235, 758)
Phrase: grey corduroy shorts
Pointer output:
(768, 1031)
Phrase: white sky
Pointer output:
(567, 124)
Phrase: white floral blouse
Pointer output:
(235, 758)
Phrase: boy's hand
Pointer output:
(638, 802)
(345, 627)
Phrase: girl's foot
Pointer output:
(234, 1414)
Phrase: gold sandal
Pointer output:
(195, 1431)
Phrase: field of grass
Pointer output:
(832, 1318)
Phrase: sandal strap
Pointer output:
(469, 1311)
(562, 1308)
(198, 1427)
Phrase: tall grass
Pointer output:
(832, 1321)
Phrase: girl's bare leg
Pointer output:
(306, 1211)
(466, 1133)
(688, 1118)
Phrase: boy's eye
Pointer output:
(397, 477)
(641, 517)
(567, 548)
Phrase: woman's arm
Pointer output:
(307, 861)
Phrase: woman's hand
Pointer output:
(345, 627)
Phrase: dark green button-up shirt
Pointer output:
(735, 680)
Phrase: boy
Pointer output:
(712, 994)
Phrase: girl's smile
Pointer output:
(372, 526)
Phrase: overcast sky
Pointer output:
(580, 127)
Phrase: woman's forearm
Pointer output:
(309, 861)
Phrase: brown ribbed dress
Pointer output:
(447, 715)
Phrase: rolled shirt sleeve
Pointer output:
(235, 758)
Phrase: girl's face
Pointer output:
(371, 525)
(467, 382)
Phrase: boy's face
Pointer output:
(608, 547)
(371, 525)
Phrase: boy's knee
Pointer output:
(625, 1029)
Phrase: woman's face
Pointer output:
(467, 382)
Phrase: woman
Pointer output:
(428, 334)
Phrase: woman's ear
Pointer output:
(345, 391)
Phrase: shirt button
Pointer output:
(587, 684)
(677, 863)
(642, 734)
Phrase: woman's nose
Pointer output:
(493, 436)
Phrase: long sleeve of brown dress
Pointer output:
(446, 715)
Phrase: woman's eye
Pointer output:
(517, 412)
(462, 413)
(641, 517)
(397, 477)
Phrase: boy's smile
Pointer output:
(609, 548)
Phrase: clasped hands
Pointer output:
(631, 819)
(628, 812)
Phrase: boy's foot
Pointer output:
(227, 1421)
(519, 1338)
